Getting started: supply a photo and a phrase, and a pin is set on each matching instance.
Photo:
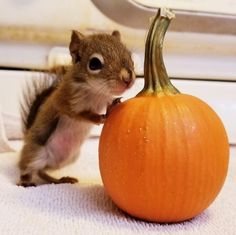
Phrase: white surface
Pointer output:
(24, 55)
(192, 66)
(85, 208)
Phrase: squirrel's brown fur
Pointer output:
(58, 112)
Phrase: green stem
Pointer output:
(156, 78)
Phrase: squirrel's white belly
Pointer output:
(63, 146)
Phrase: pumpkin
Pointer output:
(163, 155)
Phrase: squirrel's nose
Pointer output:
(127, 76)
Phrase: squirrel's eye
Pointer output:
(95, 64)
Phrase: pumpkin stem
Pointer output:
(156, 78)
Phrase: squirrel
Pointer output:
(59, 114)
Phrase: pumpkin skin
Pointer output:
(163, 155)
(164, 158)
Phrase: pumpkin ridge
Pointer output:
(181, 199)
(189, 112)
(189, 148)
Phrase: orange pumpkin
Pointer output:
(163, 155)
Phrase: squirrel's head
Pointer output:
(102, 61)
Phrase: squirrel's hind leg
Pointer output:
(49, 179)
(26, 180)
(32, 159)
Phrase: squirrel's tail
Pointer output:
(36, 93)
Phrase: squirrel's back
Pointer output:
(36, 93)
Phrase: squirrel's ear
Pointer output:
(116, 34)
(76, 38)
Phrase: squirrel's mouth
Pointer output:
(118, 91)
(120, 87)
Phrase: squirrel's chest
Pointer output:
(64, 144)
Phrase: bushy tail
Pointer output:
(36, 93)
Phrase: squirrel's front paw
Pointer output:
(112, 105)
(103, 118)
(116, 101)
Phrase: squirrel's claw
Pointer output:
(116, 101)
(110, 107)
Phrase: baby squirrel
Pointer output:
(59, 115)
